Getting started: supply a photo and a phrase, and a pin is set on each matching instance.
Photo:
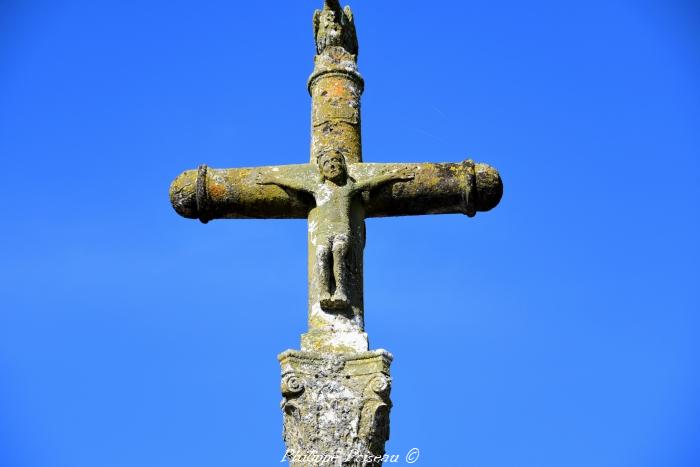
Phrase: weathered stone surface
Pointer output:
(336, 392)
(336, 407)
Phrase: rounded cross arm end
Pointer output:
(183, 194)
(489, 187)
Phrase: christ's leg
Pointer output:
(340, 251)
(323, 267)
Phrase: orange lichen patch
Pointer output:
(337, 88)
(216, 190)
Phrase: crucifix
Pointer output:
(336, 391)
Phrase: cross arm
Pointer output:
(436, 188)
(207, 193)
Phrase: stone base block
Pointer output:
(335, 407)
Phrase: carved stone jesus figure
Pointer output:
(332, 233)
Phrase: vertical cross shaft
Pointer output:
(336, 87)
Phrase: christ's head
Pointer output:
(332, 167)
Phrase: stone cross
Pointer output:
(336, 391)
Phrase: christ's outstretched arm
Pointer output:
(291, 182)
(379, 180)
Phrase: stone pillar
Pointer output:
(335, 391)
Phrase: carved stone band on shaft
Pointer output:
(202, 198)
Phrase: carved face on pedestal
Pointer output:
(332, 167)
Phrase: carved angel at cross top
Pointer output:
(335, 26)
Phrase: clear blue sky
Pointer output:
(560, 329)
